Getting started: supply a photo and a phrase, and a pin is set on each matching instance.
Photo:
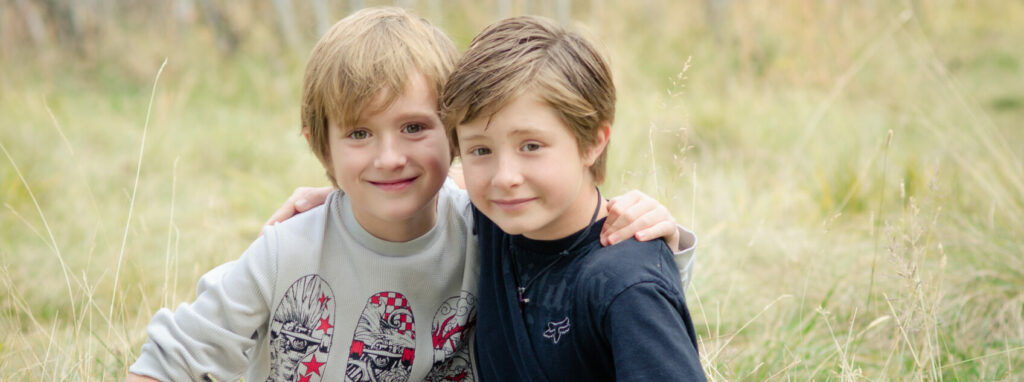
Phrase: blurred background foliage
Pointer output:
(853, 169)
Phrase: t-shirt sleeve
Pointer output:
(651, 336)
(211, 335)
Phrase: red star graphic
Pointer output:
(457, 377)
(324, 325)
(304, 378)
(313, 366)
(324, 299)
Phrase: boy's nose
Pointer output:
(390, 155)
(507, 174)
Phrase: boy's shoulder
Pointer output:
(457, 197)
(305, 226)
(628, 255)
(456, 201)
(607, 271)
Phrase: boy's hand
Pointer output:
(301, 200)
(636, 214)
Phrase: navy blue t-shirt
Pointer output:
(594, 313)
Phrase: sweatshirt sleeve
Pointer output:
(685, 256)
(211, 335)
(651, 336)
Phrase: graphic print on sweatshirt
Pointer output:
(451, 333)
(301, 331)
(384, 342)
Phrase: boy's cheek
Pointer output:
(475, 182)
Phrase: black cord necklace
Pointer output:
(520, 288)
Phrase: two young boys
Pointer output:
(357, 286)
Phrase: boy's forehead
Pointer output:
(417, 97)
(523, 114)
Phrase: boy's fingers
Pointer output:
(626, 215)
(630, 226)
(612, 216)
(624, 212)
(309, 197)
(624, 201)
(301, 200)
(664, 229)
(286, 211)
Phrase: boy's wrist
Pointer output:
(673, 241)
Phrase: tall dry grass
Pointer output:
(853, 171)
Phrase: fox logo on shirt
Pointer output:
(556, 330)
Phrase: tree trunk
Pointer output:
(227, 39)
(34, 23)
(716, 10)
(286, 21)
(323, 16)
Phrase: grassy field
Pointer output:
(854, 171)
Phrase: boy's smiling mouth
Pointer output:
(510, 205)
(394, 185)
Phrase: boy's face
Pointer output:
(526, 172)
(393, 162)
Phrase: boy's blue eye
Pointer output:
(480, 151)
(359, 134)
(413, 128)
(531, 147)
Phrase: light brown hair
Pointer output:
(371, 51)
(530, 53)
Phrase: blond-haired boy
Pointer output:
(529, 108)
(379, 283)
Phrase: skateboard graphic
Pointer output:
(384, 342)
(301, 331)
(450, 334)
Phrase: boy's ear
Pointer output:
(604, 132)
(305, 133)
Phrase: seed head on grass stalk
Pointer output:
(135, 188)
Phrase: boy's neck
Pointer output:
(577, 217)
(399, 231)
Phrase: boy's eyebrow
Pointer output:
(417, 114)
(471, 137)
(527, 130)
(521, 130)
(405, 115)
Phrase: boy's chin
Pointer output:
(405, 210)
(399, 216)
(512, 227)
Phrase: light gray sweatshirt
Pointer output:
(317, 297)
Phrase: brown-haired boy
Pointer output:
(379, 283)
(529, 108)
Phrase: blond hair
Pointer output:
(370, 52)
(530, 53)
